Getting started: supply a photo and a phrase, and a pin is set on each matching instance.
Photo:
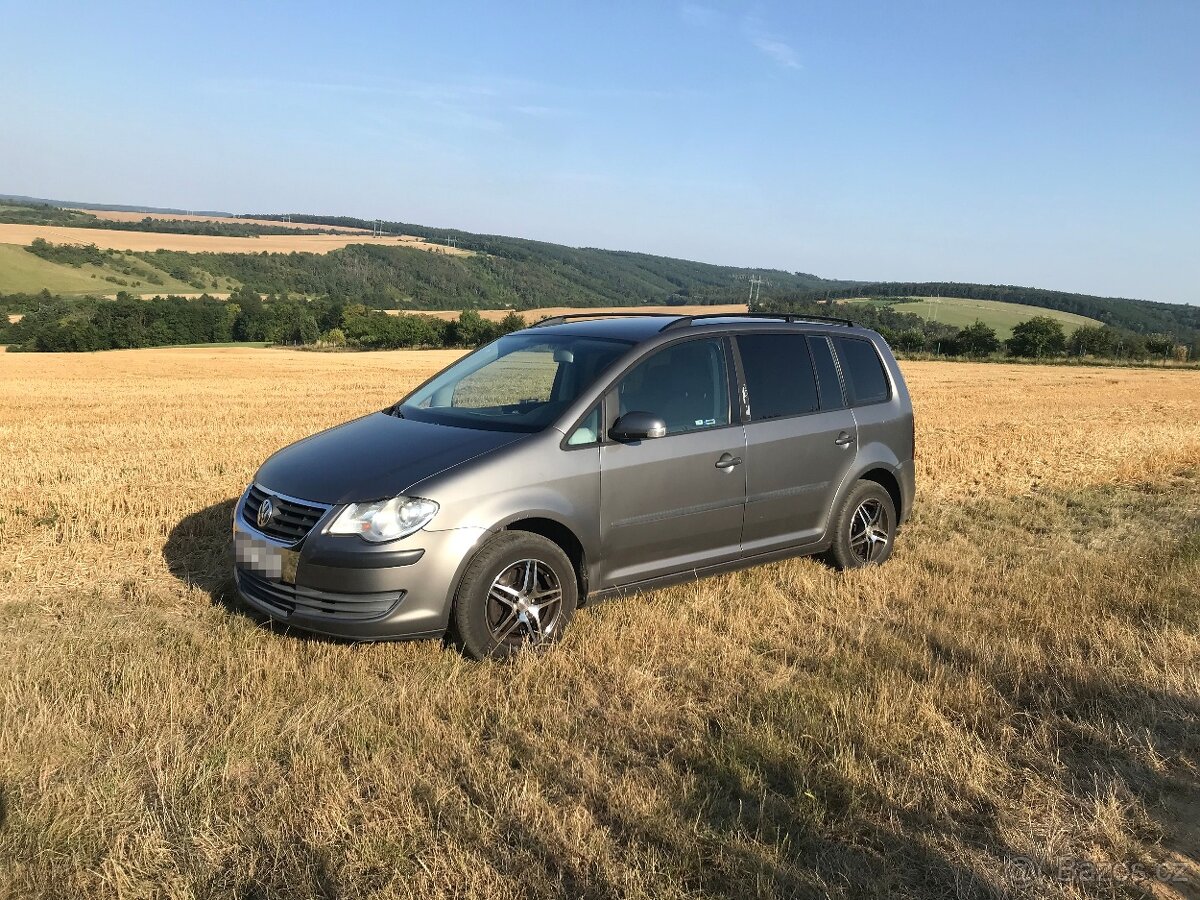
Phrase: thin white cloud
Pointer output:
(541, 112)
(698, 15)
(770, 45)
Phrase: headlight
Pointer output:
(385, 520)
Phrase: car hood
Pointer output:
(377, 456)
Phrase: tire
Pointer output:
(506, 600)
(868, 507)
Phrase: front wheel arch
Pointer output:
(471, 626)
(565, 538)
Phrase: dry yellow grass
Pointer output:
(1022, 681)
(533, 315)
(147, 241)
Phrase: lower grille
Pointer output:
(288, 599)
(292, 519)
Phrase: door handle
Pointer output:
(728, 462)
(844, 439)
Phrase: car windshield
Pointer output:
(522, 382)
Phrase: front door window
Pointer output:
(686, 385)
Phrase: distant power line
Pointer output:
(756, 283)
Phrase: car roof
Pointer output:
(628, 328)
(639, 327)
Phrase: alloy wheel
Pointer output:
(870, 531)
(523, 603)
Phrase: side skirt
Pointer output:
(688, 575)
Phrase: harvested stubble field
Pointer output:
(149, 241)
(125, 215)
(1016, 694)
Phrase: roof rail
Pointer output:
(786, 317)
(566, 317)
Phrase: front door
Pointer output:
(674, 503)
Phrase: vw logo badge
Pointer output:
(266, 513)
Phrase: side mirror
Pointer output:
(638, 426)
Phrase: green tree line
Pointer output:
(54, 324)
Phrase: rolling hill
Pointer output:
(484, 271)
(1138, 316)
(22, 272)
(960, 312)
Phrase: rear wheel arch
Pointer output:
(890, 483)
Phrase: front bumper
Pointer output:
(340, 586)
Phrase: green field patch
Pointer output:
(22, 272)
(960, 312)
(254, 344)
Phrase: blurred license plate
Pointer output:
(264, 558)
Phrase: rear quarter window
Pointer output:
(866, 380)
(828, 381)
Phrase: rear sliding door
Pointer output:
(800, 438)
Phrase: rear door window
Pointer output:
(866, 381)
(779, 375)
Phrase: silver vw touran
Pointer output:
(584, 457)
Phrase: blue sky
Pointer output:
(1050, 144)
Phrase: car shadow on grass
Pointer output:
(199, 552)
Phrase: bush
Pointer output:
(68, 254)
(510, 323)
(977, 339)
(471, 330)
(1037, 337)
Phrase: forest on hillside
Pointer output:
(547, 275)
